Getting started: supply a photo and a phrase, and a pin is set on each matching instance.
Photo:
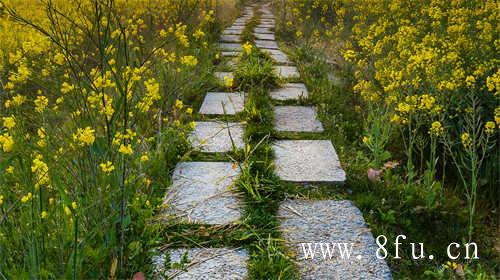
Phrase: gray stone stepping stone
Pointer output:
(261, 36)
(232, 32)
(307, 161)
(221, 75)
(262, 30)
(278, 56)
(230, 38)
(266, 25)
(225, 53)
(287, 72)
(290, 91)
(215, 137)
(203, 264)
(220, 103)
(230, 46)
(265, 44)
(330, 221)
(200, 193)
(296, 119)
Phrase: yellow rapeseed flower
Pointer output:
(466, 140)
(144, 158)
(125, 149)
(41, 103)
(228, 81)
(44, 214)
(490, 127)
(436, 129)
(247, 48)
(84, 136)
(27, 197)
(107, 167)
(9, 122)
(10, 169)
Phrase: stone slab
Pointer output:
(220, 103)
(215, 137)
(261, 36)
(287, 72)
(232, 32)
(331, 221)
(266, 25)
(290, 91)
(225, 53)
(200, 193)
(265, 44)
(307, 161)
(296, 119)
(221, 75)
(278, 56)
(203, 264)
(230, 46)
(230, 38)
(263, 30)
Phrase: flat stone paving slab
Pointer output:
(215, 137)
(290, 91)
(230, 46)
(200, 193)
(296, 119)
(204, 264)
(307, 161)
(221, 75)
(330, 221)
(287, 72)
(220, 103)
(230, 53)
(262, 30)
(265, 44)
(261, 36)
(232, 32)
(230, 38)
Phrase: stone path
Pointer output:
(203, 192)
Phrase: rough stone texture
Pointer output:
(264, 44)
(204, 264)
(290, 91)
(230, 38)
(296, 119)
(266, 25)
(220, 103)
(331, 221)
(287, 72)
(200, 193)
(231, 53)
(307, 161)
(215, 137)
(232, 32)
(265, 36)
(221, 75)
(278, 56)
(230, 46)
(263, 30)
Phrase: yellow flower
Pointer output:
(189, 60)
(18, 100)
(7, 142)
(41, 170)
(179, 104)
(84, 137)
(299, 34)
(490, 127)
(44, 214)
(228, 81)
(67, 210)
(189, 111)
(366, 140)
(41, 103)
(9, 122)
(107, 167)
(1, 199)
(26, 198)
(247, 48)
(126, 150)
(74, 205)
(10, 169)
(466, 140)
(144, 158)
(51, 201)
(198, 34)
(436, 129)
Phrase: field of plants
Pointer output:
(98, 99)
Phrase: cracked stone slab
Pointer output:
(221, 75)
(265, 44)
(287, 72)
(331, 221)
(230, 46)
(200, 193)
(261, 36)
(220, 103)
(307, 161)
(296, 119)
(230, 38)
(262, 30)
(203, 264)
(217, 137)
(290, 91)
